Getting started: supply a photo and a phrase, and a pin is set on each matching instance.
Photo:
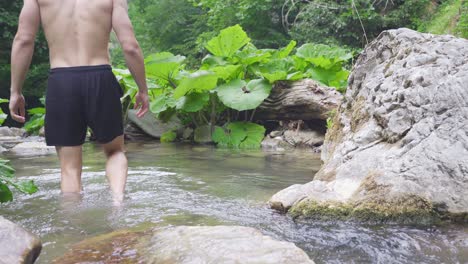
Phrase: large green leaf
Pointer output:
(284, 52)
(255, 135)
(162, 103)
(239, 135)
(6, 170)
(27, 187)
(193, 102)
(230, 137)
(331, 77)
(37, 110)
(212, 61)
(228, 41)
(250, 55)
(3, 116)
(241, 96)
(227, 72)
(163, 65)
(199, 81)
(5, 193)
(310, 50)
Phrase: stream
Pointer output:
(178, 184)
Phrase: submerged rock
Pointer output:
(153, 126)
(398, 146)
(17, 244)
(301, 100)
(183, 244)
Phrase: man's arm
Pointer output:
(21, 55)
(132, 52)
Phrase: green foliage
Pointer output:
(462, 26)
(3, 116)
(241, 96)
(451, 17)
(341, 22)
(232, 81)
(228, 42)
(243, 135)
(37, 120)
(7, 179)
(35, 82)
(169, 136)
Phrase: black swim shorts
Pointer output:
(82, 97)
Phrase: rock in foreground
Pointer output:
(32, 148)
(198, 244)
(398, 147)
(17, 244)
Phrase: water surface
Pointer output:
(174, 184)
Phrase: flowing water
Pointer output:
(173, 184)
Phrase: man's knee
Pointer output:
(114, 147)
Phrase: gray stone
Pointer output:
(32, 148)
(275, 144)
(187, 134)
(17, 244)
(304, 138)
(154, 127)
(12, 132)
(42, 132)
(399, 142)
(184, 245)
(219, 244)
(276, 133)
(301, 100)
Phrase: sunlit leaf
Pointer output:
(196, 82)
(164, 65)
(228, 41)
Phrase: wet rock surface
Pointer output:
(184, 244)
(17, 244)
(398, 146)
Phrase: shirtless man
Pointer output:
(82, 90)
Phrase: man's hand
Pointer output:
(17, 108)
(141, 103)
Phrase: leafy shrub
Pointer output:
(7, 179)
(169, 136)
(37, 119)
(232, 81)
(3, 116)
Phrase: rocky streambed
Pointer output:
(395, 155)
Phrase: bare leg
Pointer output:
(116, 167)
(71, 165)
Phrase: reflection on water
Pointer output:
(201, 185)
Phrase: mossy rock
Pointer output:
(404, 210)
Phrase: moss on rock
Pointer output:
(405, 209)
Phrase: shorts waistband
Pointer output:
(81, 68)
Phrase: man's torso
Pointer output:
(77, 31)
